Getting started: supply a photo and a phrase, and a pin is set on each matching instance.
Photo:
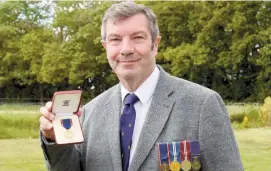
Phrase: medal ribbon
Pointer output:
(163, 153)
(195, 148)
(185, 150)
(174, 152)
(66, 123)
(168, 154)
(178, 153)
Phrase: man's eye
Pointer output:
(114, 40)
(138, 37)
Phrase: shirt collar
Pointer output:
(145, 91)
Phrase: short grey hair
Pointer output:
(128, 9)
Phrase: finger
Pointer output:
(48, 115)
(48, 105)
(48, 134)
(43, 128)
(46, 124)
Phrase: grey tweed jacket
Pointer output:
(180, 110)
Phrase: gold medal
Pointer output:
(175, 166)
(186, 165)
(67, 124)
(68, 134)
(196, 164)
(164, 167)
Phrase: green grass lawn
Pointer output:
(255, 148)
(26, 155)
(21, 155)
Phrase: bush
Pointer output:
(252, 114)
(245, 122)
(237, 117)
(265, 111)
(249, 118)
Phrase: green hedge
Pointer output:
(237, 117)
(19, 126)
(251, 113)
(253, 118)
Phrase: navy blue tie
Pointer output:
(127, 122)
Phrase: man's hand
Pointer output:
(46, 126)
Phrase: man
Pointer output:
(169, 114)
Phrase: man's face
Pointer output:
(129, 47)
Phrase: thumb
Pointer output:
(79, 112)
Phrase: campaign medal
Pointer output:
(186, 165)
(67, 123)
(164, 167)
(174, 165)
(195, 153)
(163, 157)
(195, 164)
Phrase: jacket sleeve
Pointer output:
(219, 150)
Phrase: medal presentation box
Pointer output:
(66, 124)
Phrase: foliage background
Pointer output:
(45, 47)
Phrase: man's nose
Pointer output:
(127, 47)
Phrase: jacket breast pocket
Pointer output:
(179, 155)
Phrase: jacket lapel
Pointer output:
(156, 119)
(113, 111)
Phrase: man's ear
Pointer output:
(156, 43)
(103, 43)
